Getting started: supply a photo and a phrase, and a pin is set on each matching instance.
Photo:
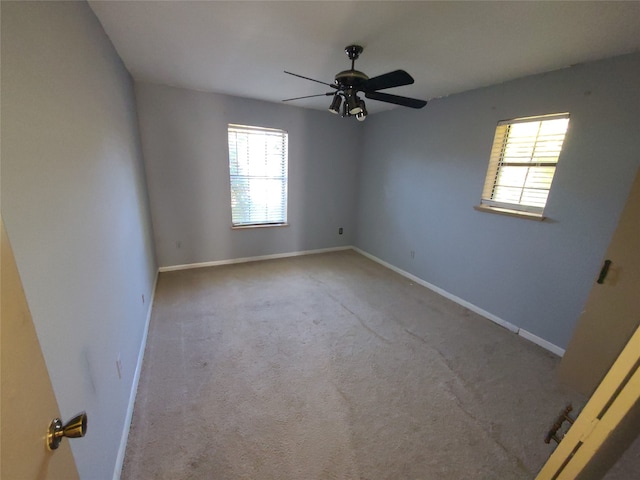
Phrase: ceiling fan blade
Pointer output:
(309, 96)
(404, 101)
(396, 78)
(313, 80)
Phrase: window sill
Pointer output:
(263, 225)
(512, 213)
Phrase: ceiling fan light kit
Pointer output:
(335, 104)
(349, 83)
(352, 101)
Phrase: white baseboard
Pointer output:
(134, 388)
(474, 308)
(541, 342)
(251, 259)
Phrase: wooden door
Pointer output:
(612, 311)
(604, 429)
(28, 402)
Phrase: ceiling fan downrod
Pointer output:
(353, 52)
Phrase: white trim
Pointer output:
(444, 293)
(541, 342)
(134, 387)
(503, 323)
(251, 259)
(474, 308)
(550, 116)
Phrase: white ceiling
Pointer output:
(242, 48)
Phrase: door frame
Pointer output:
(603, 414)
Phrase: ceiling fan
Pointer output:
(349, 83)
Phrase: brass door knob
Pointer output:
(74, 428)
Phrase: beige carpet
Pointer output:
(332, 367)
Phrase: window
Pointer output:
(522, 164)
(258, 174)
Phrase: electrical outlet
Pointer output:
(119, 367)
(143, 298)
(340, 231)
(412, 254)
(178, 244)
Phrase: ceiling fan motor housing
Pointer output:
(350, 79)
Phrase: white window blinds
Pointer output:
(258, 175)
(523, 162)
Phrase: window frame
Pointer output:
(496, 163)
(265, 222)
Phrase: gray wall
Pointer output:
(75, 207)
(421, 173)
(184, 138)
